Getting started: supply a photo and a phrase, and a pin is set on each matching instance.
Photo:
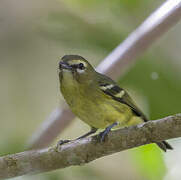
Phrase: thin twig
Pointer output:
(88, 149)
(119, 60)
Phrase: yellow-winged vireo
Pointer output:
(96, 99)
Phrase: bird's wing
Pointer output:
(110, 88)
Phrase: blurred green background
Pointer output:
(34, 34)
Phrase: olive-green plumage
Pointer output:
(96, 99)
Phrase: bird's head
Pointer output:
(74, 67)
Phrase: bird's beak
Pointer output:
(64, 65)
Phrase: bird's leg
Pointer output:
(106, 131)
(62, 142)
(92, 131)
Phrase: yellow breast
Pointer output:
(94, 107)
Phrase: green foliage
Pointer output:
(159, 82)
(127, 4)
(149, 161)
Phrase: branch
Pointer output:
(159, 22)
(118, 61)
(88, 149)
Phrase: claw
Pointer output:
(102, 136)
(61, 142)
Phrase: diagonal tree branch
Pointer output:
(159, 22)
(88, 149)
(117, 62)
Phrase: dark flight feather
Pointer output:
(110, 88)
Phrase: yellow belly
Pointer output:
(98, 109)
(101, 112)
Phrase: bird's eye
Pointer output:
(81, 66)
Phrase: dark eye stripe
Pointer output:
(81, 66)
(78, 66)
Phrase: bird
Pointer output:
(97, 100)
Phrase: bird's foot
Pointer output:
(102, 136)
(60, 143)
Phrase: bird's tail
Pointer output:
(164, 145)
(137, 120)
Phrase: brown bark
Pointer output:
(85, 150)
